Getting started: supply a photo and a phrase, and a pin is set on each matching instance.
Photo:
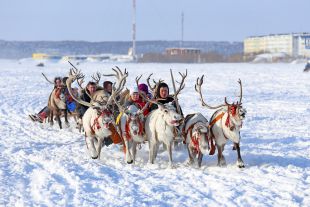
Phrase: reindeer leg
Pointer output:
(190, 155)
(58, 120)
(200, 155)
(52, 118)
(152, 146)
(128, 152)
(99, 146)
(220, 158)
(156, 150)
(134, 151)
(240, 163)
(169, 149)
(91, 147)
(66, 118)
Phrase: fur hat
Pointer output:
(134, 90)
(143, 87)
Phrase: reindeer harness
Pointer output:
(195, 140)
(96, 124)
(127, 128)
(232, 110)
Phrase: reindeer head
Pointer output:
(59, 98)
(134, 123)
(104, 114)
(236, 113)
(169, 114)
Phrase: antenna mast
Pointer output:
(182, 28)
(134, 30)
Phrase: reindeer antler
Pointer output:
(138, 79)
(240, 98)
(96, 77)
(182, 84)
(80, 81)
(75, 74)
(121, 78)
(51, 82)
(239, 81)
(153, 88)
(78, 76)
(198, 84)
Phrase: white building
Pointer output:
(294, 45)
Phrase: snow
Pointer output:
(268, 57)
(42, 165)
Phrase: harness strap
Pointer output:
(216, 119)
(195, 141)
(95, 125)
(127, 129)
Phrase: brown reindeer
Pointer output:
(57, 106)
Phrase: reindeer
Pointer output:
(57, 104)
(99, 116)
(196, 137)
(131, 126)
(225, 124)
(160, 126)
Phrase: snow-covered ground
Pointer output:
(42, 165)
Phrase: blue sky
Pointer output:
(110, 20)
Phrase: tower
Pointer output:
(134, 30)
(182, 28)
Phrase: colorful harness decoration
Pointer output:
(96, 124)
(195, 141)
(127, 129)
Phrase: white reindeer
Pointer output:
(160, 128)
(197, 140)
(132, 130)
(98, 117)
(225, 124)
(160, 125)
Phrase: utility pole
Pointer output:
(182, 28)
(134, 30)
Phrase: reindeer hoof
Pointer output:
(95, 157)
(130, 162)
(240, 164)
(222, 164)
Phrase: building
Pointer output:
(294, 45)
(39, 56)
(182, 51)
